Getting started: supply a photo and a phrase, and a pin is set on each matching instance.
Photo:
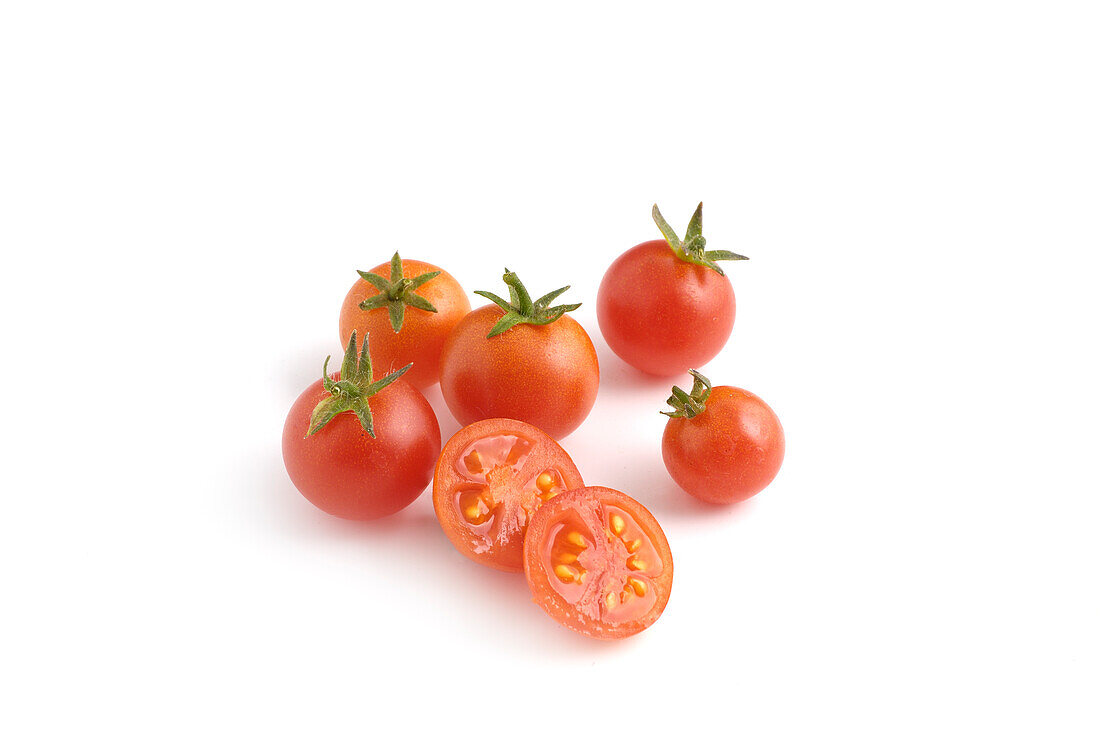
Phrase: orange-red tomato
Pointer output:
(420, 340)
(345, 472)
(598, 562)
(665, 305)
(357, 447)
(663, 315)
(546, 375)
(490, 479)
(730, 451)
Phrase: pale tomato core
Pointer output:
(501, 492)
(601, 561)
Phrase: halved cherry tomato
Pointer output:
(598, 562)
(408, 308)
(489, 480)
(723, 444)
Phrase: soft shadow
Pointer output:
(618, 375)
(447, 423)
(413, 545)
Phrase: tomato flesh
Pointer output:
(491, 477)
(598, 562)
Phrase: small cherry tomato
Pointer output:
(358, 448)
(490, 479)
(598, 562)
(722, 444)
(407, 316)
(665, 306)
(523, 360)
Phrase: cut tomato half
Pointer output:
(490, 479)
(598, 562)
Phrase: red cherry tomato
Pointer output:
(598, 562)
(665, 306)
(541, 369)
(725, 445)
(400, 330)
(342, 468)
(490, 479)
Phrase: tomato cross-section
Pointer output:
(598, 562)
(491, 477)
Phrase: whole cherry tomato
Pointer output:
(523, 360)
(407, 316)
(490, 479)
(598, 562)
(722, 444)
(359, 448)
(665, 306)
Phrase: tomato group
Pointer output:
(664, 306)
(520, 360)
(357, 448)
(490, 479)
(722, 444)
(408, 308)
(598, 562)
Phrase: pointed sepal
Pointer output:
(693, 249)
(354, 389)
(688, 405)
(521, 309)
(397, 292)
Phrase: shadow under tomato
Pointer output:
(412, 544)
(618, 375)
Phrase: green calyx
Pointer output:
(354, 389)
(693, 249)
(396, 293)
(687, 405)
(519, 308)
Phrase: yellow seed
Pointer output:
(473, 462)
(568, 558)
(636, 564)
(625, 596)
(545, 481)
(638, 586)
(634, 545)
(564, 573)
(574, 538)
(611, 600)
(473, 512)
(618, 525)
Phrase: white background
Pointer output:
(186, 190)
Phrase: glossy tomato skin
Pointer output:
(728, 453)
(490, 478)
(546, 375)
(663, 315)
(420, 341)
(597, 562)
(345, 472)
